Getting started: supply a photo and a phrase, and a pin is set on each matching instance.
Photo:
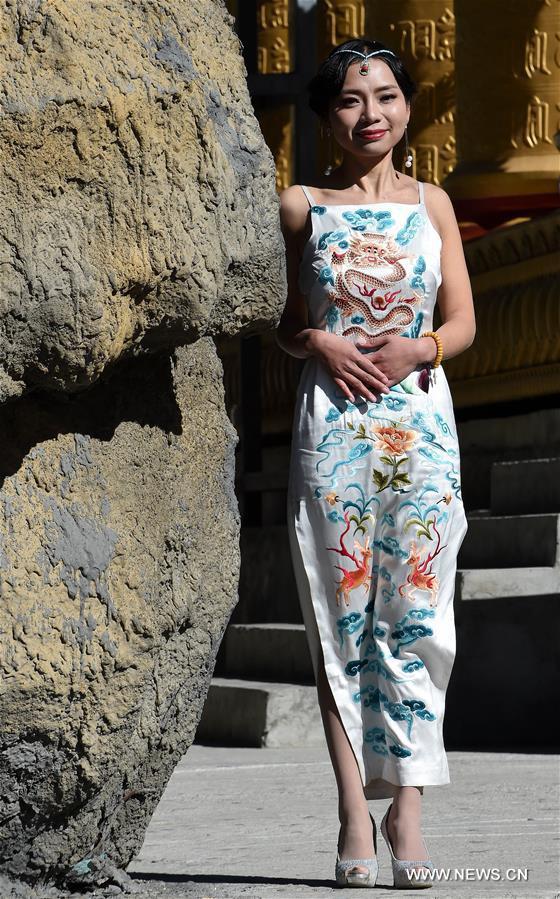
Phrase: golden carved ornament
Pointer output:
(275, 36)
(507, 99)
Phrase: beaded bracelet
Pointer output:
(439, 342)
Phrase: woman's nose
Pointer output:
(372, 110)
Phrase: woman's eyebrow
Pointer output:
(356, 90)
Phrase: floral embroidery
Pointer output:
(394, 443)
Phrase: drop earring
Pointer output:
(329, 168)
(408, 154)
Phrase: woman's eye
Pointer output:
(352, 100)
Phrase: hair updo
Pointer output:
(329, 80)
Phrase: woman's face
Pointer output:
(374, 102)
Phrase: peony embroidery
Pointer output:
(394, 443)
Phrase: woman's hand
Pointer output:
(351, 370)
(397, 356)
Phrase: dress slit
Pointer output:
(312, 629)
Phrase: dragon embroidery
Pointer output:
(372, 262)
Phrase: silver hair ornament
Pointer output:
(364, 68)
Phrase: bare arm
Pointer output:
(293, 333)
(455, 298)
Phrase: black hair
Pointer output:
(328, 81)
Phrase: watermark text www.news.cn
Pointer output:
(469, 874)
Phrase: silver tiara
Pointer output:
(364, 68)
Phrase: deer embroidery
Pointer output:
(360, 575)
(421, 577)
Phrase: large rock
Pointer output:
(137, 195)
(139, 220)
(119, 568)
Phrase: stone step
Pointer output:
(508, 583)
(272, 652)
(511, 541)
(267, 590)
(240, 712)
(531, 485)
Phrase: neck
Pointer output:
(364, 179)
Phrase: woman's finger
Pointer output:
(346, 391)
(366, 365)
(377, 380)
(359, 386)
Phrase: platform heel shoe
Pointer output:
(346, 877)
(401, 866)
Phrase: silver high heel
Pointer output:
(402, 866)
(345, 877)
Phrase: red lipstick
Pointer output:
(372, 135)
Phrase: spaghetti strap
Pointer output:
(421, 192)
(307, 193)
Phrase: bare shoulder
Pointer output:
(293, 209)
(440, 207)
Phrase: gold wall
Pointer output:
(508, 92)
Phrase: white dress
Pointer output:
(375, 514)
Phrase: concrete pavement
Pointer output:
(237, 821)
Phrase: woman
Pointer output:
(375, 513)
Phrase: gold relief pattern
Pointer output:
(445, 51)
(535, 54)
(434, 101)
(274, 47)
(517, 78)
(536, 128)
(432, 39)
(425, 103)
(430, 160)
(343, 21)
(536, 125)
(277, 126)
(427, 160)
(448, 155)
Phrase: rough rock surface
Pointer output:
(118, 572)
(137, 194)
(139, 220)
